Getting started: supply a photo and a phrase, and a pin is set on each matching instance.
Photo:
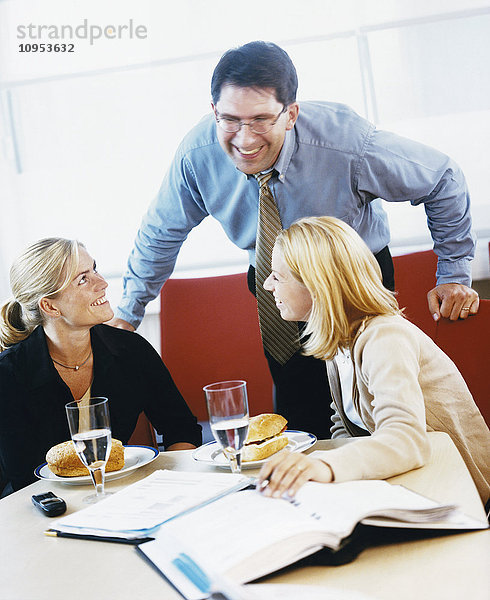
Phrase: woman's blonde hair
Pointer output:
(341, 274)
(43, 270)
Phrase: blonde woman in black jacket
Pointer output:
(56, 349)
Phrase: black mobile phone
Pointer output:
(49, 504)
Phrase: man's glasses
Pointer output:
(259, 125)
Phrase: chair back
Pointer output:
(144, 433)
(415, 275)
(467, 343)
(210, 333)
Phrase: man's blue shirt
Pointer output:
(333, 162)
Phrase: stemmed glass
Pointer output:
(90, 430)
(228, 416)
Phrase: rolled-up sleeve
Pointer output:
(397, 169)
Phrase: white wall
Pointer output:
(86, 137)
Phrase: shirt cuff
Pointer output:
(456, 271)
(124, 312)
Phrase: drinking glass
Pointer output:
(90, 430)
(228, 416)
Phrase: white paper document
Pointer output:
(138, 509)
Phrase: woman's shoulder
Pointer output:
(395, 322)
(119, 340)
(16, 362)
(389, 327)
(19, 352)
(8, 357)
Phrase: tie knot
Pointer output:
(263, 178)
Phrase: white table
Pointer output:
(36, 567)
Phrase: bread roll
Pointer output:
(264, 449)
(264, 437)
(63, 460)
(265, 426)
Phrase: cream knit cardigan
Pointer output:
(404, 386)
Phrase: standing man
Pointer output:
(260, 162)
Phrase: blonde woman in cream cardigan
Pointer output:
(402, 385)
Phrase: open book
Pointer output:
(245, 535)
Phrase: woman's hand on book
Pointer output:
(287, 472)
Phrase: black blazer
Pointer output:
(127, 370)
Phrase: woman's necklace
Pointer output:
(76, 367)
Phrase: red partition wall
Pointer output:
(415, 275)
(467, 343)
(210, 332)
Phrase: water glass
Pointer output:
(228, 417)
(90, 430)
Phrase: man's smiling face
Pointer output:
(253, 152)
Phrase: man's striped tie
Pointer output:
(280, 338)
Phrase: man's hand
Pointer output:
(452, 301)
(120, 324)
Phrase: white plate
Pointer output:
(134, 458)
(211, 453)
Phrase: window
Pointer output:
(82, 153)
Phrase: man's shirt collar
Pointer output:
(283, 160)
(286, 153)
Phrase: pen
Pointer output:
(79, 536)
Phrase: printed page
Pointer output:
(148, 503)
(238, 528)
(338, 505)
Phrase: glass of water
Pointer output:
(90, 430)
(228, 417)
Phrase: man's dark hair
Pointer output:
(256, 65)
